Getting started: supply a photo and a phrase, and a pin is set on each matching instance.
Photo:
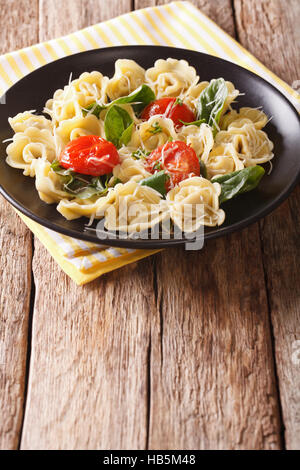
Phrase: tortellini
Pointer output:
(195, 202)
(129, 198)
(71, 129)
(85, 207)
(33, 143)
(223, 159)
(80, 93)
(127, 78)
(135, 208)
(253, 146)
(171, 77)
(200, 138)
(27, 119)
(47, 182)
(130, 169)
(243, 116)
(153, 133)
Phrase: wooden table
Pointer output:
(183, 350)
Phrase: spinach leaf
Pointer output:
(81, 186)
(238, 182)
(157, 182)
(116, 122)
(96, 109)
(211, 103)
(203, 169)
(194, 123)
(126, 136)
(139, 98)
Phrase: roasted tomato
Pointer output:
(178, 160)
(90, 155)
(172, 108)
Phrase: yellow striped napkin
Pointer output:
(177, 24)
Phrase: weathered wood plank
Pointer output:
(214, 387)
(269, 30)
(16, 255)
(77, 14)
(219, 10)
(88, 383)
(18, 21)
(212, 376)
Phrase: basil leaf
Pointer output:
(60, 170)
(126, 136)
(157, 182)
(117, 120)
(203, 169)
(139, 98)
(193, 123)
(239, 182)
(81, 186)
(96, 109)
(211, 103)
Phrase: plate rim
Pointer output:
(159, 243)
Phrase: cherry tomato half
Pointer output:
(178, 160)
(171, 108)
(90, 155)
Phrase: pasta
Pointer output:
(128, 77)
(244, 115)
(142, 148)
(200, 138)
(192, 194)
(33, 143)
(153, 133)
(135, 208)
(171, 77)
(253, 146)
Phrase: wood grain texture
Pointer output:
(90, 345)
(18, 29)
(172, 352)
(218, 10)
(77, 14)
(88, 383)
(212, 375)
(212, 378)
(268, 29)
(19, 24)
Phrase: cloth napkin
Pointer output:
(178, 24)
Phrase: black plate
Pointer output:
(284, 130)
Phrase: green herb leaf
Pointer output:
(203, 169)
(239, 182)
(155, 128)
(115, 182)
(211, 103)
(157, 182)
(140, 154)
(178, 101)
(96, 109)
(126, 136)
(139, 98)
(81, 186)
(193, 123)
(157, 165)
(117, 120)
